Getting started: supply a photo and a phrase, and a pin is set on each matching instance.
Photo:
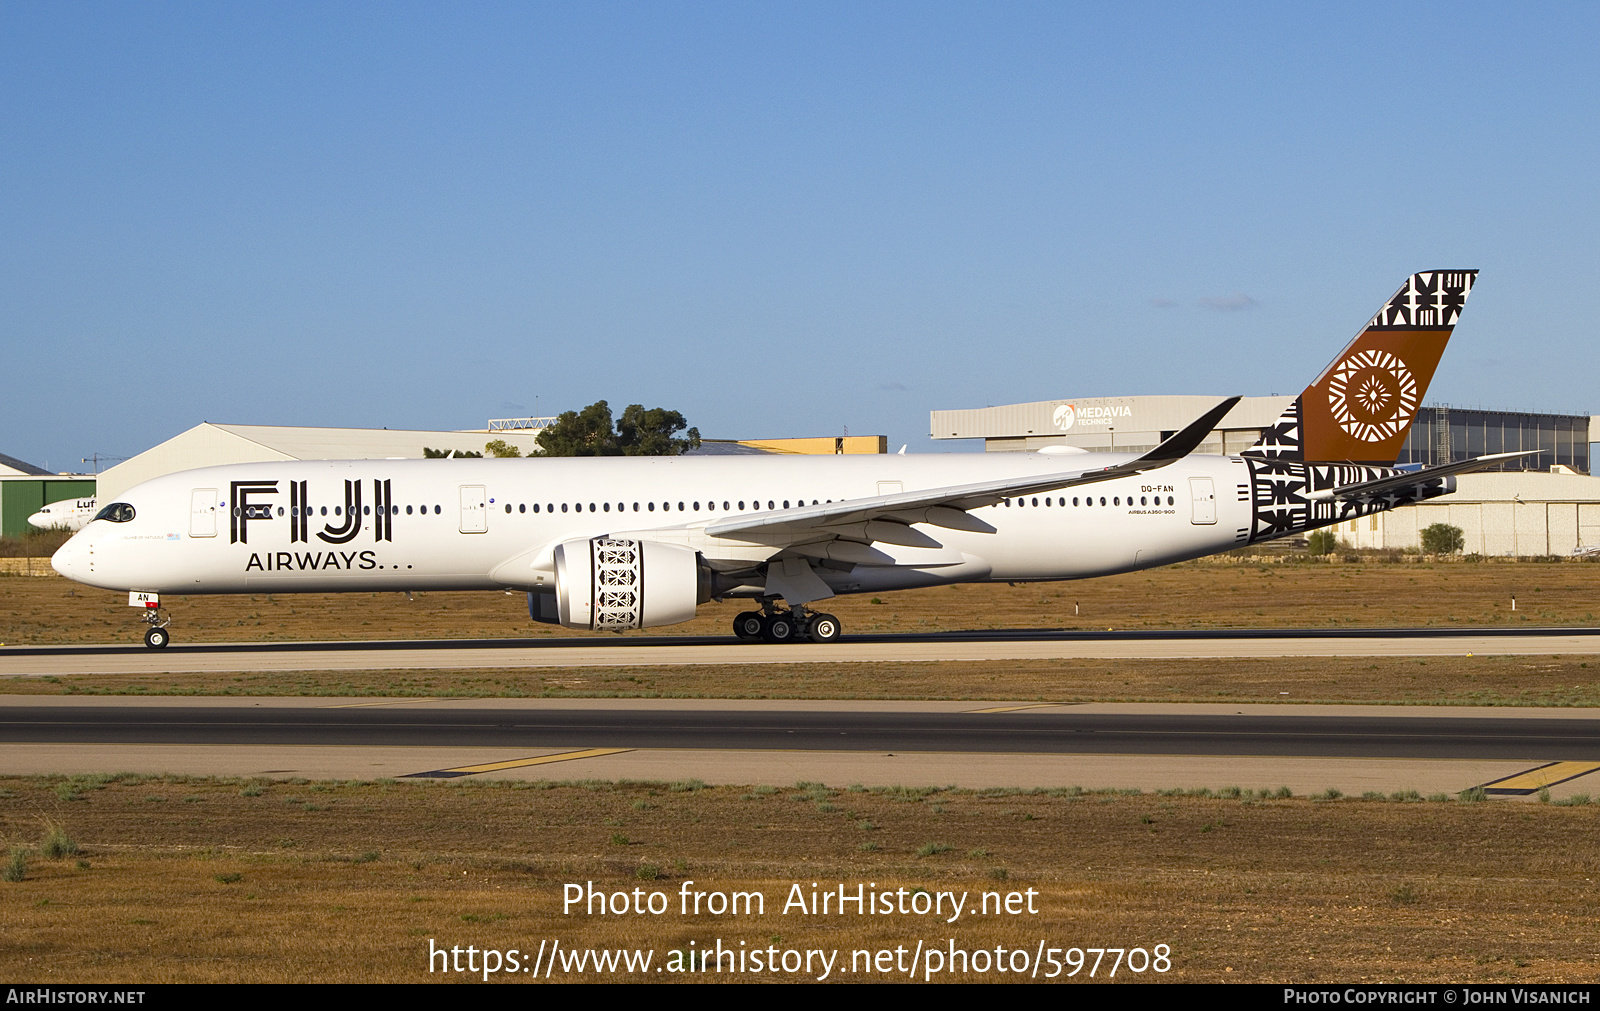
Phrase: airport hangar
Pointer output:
(1543, 505)
(212, 445)
(25, 489)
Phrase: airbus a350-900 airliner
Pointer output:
(636, 542)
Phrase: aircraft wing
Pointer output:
(1400, 482)
(888, 517)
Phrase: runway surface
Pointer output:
(1031, 730)
(1308, 748)
(679, 651)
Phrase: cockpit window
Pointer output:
(116, 512)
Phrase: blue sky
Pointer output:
(780, 219)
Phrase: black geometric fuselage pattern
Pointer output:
(1280, 495)
(1281, 440)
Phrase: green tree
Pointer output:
(1442, 539)
(581, 433)
(1322, 542)
(502, 449)
(639, 432)
(445, 454)
(654, 432)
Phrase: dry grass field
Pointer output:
(1269, 592)
(1451, 680)
(207, 880)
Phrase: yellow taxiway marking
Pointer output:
(517, 763)
(388, 702)
(1018, 709)
(1537, 778)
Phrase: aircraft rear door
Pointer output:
(203, 512)
(1203, 494)
(474, 509)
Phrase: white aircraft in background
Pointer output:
(637, 542)
(71, 513)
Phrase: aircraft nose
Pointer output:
(69, 558)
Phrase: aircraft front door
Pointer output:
(474, 509)
(1203, 495)
(203, 512)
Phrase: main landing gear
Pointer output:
(794, 625)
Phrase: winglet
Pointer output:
(1187, 441)
(1173, 449)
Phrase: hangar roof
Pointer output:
(10, 466)
(209, 445)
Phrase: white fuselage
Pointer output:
(485, 524)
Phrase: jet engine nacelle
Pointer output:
(610, 583)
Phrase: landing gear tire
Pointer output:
(157, 638)
(748, 625)
(778, 628)
(823, 628)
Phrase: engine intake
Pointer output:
(610, 583)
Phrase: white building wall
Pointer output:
(1499, 514)
(1562, 525)
(1589, 524)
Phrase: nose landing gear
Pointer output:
(156, 636)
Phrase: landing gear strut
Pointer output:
(156, 636)
(771, 624)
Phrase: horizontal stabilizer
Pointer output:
(1400, 482)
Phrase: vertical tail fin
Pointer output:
(1360, 408)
